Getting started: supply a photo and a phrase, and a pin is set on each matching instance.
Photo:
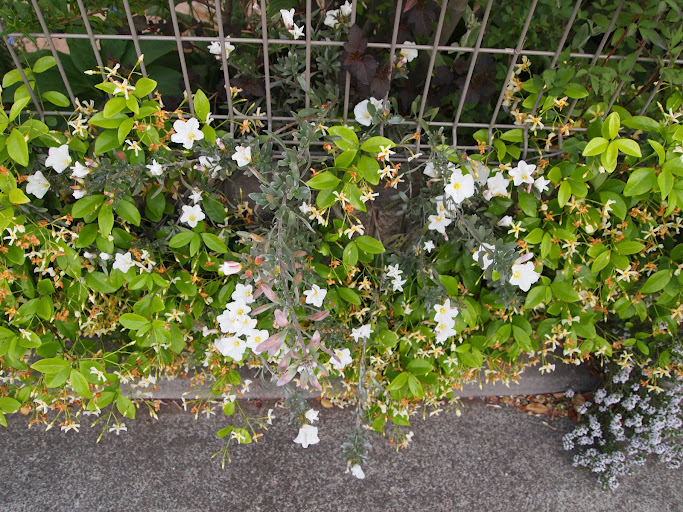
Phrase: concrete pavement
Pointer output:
(488, 459)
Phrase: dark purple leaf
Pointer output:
(422, 17)
(361, 67)
(381, 81)
(357, 43)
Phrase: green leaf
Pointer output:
(50, 365)
(564, 193)
(419, 366)
(105, 219)
(128, 212)
(125, 406)
(514, 135)
(17, 148)
(106, 141)
(324, 180)
(368, 168)
(665, 180)
(86, 205)
(399, 382)
(44, 63)
(611, 125)
(57, 98)
(450, 283)
(3, 420)
(535, 296)
(601, 261)
(627, 248)
(201, 105)
(628, 146)
(80, 384)
(656, 281)
(345, 159)
(641, 123)
(609, 157)
(214, 243)
(17, 196)
(181, 239)
(9, 405)
(348, 295)
(17, 108)
(369, 245)
(144, 86)
(595, 146)
(114, 106)
(415, 387)
(576, 91)
(229, 409)
(372, 145)
(98, 282)
(564, 291)
(133, 322)
(640, 182)
(659, 149)
(124, 129)
(350, 255)
(348, 139)
(102, 122)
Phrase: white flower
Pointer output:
(231, 346)
(256, 337)
(123, 87)
(346, 8)
(79, 171)
(332, 18)
(58, 158)
(482, 254)
(398, 283)
(345, 359)
(104, 256)
(409, 54)
(37, 185)
(287, 17)
(444, 330)
(192, 215)
(311, 415)
(362, 113)
(460, 186)
(522, 173)
(215, 49)
(445, 312)
(541, 184)
(429, 246)
(315, 295)
(196, 196)
(297, 31)
(155, 168)
(524, 275)
(498, 185)
(479, 172)
(430, 170)
(357, 471)
(243, 293)
(505, 222)
(186, 132)
(393, 271)
(242, 155)
(123, 262)
(363, 331)
(439, 223)
(230, 267)
(308, 435)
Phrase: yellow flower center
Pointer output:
(442, 310)
(525, 177)
(456, 186)
(236, 343)
(191, 136)
(516, 275)
(193, 218)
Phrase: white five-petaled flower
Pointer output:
(498, 186)
(230, 267)
(345, 359)
(123, 262)
(196, 196)
(541, 184)
(242, 155)
(123, 87)
(363, 115)
(363, 331)
(523, 173)
(58, 158)
(244, 293)
(482, 254)
(186, 132)
(296, 31)
(37, 185)
(408, 54)
(315, 295)
(308, 435)
(385, 152)
(445, 312)
(215, 49)
(439, 223)
(430, 170)
(287, 17)
(134, 146)
(460, 186)
(332, 18)
(192, 215)
(524, 275)
(429, 246)
(155, 168)
(231, 346)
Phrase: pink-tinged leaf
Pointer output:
(268, 292)
(281, 318)
(284, 363)
(524, 257)
(261, 309)
(320, 315)
(314, 381)
(272, 344)
(409, 5)
(300, 254)
(315, 340)
(298, 278)
(286, 378)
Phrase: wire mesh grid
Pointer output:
(265, 41)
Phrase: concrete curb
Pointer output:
(532, 382)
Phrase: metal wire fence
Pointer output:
(475, 51)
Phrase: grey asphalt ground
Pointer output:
(488, 459)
